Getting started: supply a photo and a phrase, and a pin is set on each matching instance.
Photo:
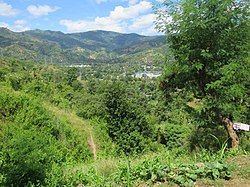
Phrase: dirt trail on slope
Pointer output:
(77, 123)
(93, 146)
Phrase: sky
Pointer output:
(68, 16)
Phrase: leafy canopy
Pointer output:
(209, 41)
(127, 123)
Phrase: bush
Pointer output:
(127, 123)
(174, 135)
(32, 140)
(28, 154)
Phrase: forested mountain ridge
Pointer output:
(93, 46)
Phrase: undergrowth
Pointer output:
(148, 171)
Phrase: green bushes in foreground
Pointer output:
(149, 171)
(33, 140)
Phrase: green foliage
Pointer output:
(3, 74)
(95, 46)
(106, 147)
(177, 128)
(202, 51)
(209, 41)
(174, 135)
(127, 124)
(32, 140)
(184, 174)
(187, 174)
(17, 80)
(201, 137)
(46, 145)
(28, 156)
(148, 170)
(90, 105)
(71, 75)
(38, 88)
(245, 138)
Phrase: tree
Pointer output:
(209, 41)
(71, 75)
(127, 123)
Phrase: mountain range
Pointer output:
(86, 47)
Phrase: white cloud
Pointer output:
(7, 10)
(144, 25)
(121, 13)
(41, 10)
(121, 19)
(149, 31)
(20, 25)
(98, 24)
(142, 22)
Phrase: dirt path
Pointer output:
(78, 124)
(93, 146)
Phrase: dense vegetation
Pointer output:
(90, 47)
(49, 145)
(99, 125)
(210, 58)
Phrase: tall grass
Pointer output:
(222, 145)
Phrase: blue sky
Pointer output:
(126, 16)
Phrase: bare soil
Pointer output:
(92, 146)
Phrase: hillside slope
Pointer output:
(78, 124)
(93, 46)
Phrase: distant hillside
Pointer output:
(92, 46)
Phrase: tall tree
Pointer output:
(209, 40)
(127, 123)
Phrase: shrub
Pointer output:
(174, 135)
(127, 123)
(32, 140)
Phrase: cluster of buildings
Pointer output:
(148, 74)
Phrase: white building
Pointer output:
(148, 74)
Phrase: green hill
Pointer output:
(93, 46)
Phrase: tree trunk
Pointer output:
(234, 140)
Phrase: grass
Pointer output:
(82, 127)
(109, 171)
(125, 171)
